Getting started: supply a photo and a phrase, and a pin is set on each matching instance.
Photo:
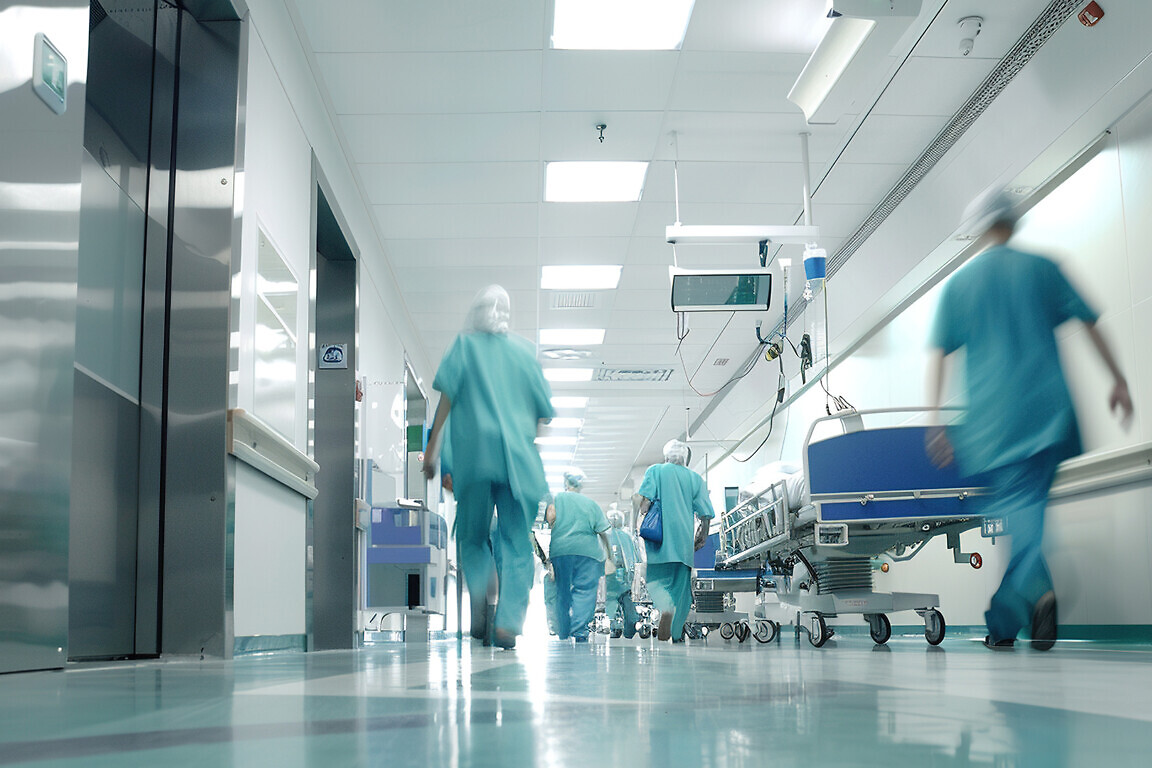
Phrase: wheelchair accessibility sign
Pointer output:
(333, 356)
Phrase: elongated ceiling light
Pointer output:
(565, 401)
(568, 374)
(847, 60)
(580, 277)
(620, 25)
(577, 337)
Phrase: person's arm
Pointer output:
(640, 505)
(550, 515)
(610, 561)
(432, 452)
(936, 441)
(1119, 396)
(702, 531)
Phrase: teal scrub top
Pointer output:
(578, 521)
(498, 394)
(682, 494)
(1003, 308)
(622, 541)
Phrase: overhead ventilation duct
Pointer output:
(851, 55)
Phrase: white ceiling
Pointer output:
(450, 109)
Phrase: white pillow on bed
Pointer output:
(791, 474)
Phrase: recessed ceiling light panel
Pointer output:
(576, 337)
(594, 182)
(584, 277)
(568, 374)
(621, 25)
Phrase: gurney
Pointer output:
(873, 491)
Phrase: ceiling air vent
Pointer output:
(720, 361)
(573, 299)
(632, 374)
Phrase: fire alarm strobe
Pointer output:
(1091, 14)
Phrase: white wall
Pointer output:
(1097, 225)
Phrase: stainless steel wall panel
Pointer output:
(196, 529)
(39, 223)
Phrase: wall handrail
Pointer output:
(266, 450)
(1103, 470)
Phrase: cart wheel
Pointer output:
(766, 631)
(704, 630)
(727, 631)
(645, 631)
(617, 632)
(879, 627)
(818, 633)
(742, 631)
(934, 626)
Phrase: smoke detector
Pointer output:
(969, 30)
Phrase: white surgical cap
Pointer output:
(993, 208)
(574, 478)
(676, 452)
(491, 311)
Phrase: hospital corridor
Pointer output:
(575, 383)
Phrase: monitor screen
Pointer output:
(721, 291)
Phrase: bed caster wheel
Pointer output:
(616, 633)
(934, 626)
(645, 632)
(879, 627)
(766, 631)
(818, 632)
(727, 631)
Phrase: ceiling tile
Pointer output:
(781, 26)
(932, 86)
(583, 250)
(398, 183)
(435, 254)
(442, 138)
(594, 81)
(736, 82)
(445, 25)
(457, 221)
(892, 138)
(574, 136)
(423, 83)
(857, 182)
(578, 219)
(469, 280)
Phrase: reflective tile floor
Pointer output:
(608, 703)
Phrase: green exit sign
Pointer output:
(50, 74)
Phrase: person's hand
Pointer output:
(551, 571)
(1120, 398)
(938, 447)
(429, 466)
(701, 537)
(446, 481)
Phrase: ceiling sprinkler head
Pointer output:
(969, 29)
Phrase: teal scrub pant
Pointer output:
(515, 566)
(1020, 496)
(670, 585)
(577, 578)
(619, 601)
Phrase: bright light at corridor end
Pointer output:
(590, 181)
(621, 25)
(584, 277)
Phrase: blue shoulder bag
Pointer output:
(652, 526)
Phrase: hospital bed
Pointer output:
(871, 491)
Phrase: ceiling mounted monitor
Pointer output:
(721, 290)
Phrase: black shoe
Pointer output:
(999, 645)
(1044, 622)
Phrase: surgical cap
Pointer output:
(573, 478)
(491, 311)
(676, 452)
(996, 208)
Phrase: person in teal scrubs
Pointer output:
(618, 603)
(682, 495)
(495, 391)
(1002, 308)
(578, 552)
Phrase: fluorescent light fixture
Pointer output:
(565, 423)
(848, 59)
(588, 181)
(723, 234)
(557, 440)
(621, 25)
(585, 277)
(572, 336)
(559, 402)
(568, 374)
(563, 456)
